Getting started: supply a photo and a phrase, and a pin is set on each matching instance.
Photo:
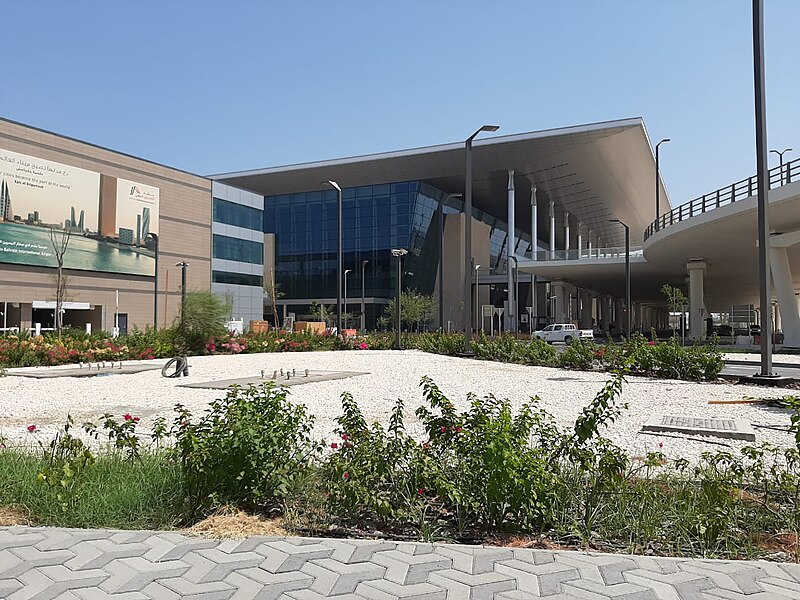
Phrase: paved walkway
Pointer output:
(76, 564)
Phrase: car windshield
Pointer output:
(557, 328)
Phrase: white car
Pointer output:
(563, 332)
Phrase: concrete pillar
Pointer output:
(534, 222)
(697, 307)
(605, 315)
(580, 240)
(552, 230)
(510, 316)
(25, 316)
(786, 313)
(589, 240)
(585, 320)
(619, 314)
(556, 299)
(566, 234)
(637, 317)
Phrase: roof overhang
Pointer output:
(596, 172)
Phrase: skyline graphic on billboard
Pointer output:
(109, 232)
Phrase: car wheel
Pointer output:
(567, 339)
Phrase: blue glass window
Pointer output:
(231, 213)
(228, 248)
(237, 278)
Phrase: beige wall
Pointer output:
(184, 232)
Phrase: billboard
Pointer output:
(107, 220)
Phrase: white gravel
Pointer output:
(46, 402)
(755, 357)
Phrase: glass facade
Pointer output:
(236, 278)
(232, 213)
(375, 219)
(229, 248)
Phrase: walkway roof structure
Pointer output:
(596, 172)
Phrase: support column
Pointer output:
(605, 302)
(566, 234)
(556, 301)
(589, 239)
(534, 222)
(511, 244)
(552, 230)
(787, 301)
(637, 317)
(619, 315)
(580, 240)
(697, 308)
(585, 320)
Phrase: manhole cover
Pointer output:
(737, 429)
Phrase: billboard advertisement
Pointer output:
(106, 221)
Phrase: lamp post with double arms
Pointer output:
(627, 276)
(468, 236)
(338, 189)
(658, 184)
(780, 154)
(398, 253)
(363, 298)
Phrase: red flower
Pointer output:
(334, 445)
(652, 342)
(344, 436)
(421, 491)
(442, 429)
(135, 419)
(127, 416)
(31, 428)
(660, 444)
(346, 475)
(426, 445)
(458, 429)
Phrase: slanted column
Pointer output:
(566, 234)
(697, 308)
(580, 240)
(585, 320)
(511, 244)
(787, 301)
(552, 230)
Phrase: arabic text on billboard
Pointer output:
(42, 202)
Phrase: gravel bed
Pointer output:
(393, 375)
(755, 357)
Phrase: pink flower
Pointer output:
(364, 346)
(344, 436)
(346, 475)
(127, 416)
(652, 342)
(136, 419)
(334, 445)
(31, 428)
(442, 429)
(421, 491)
(458, 429)
(660, 444)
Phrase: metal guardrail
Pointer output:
(583, 254)
(778, 176)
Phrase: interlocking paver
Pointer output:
(75, 564)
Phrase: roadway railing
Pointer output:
(583, 254)
(778, 176)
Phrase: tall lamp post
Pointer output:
(658, 184)
(780, 154)
(468, 236)
(441, 255)
(762, 173)
(345, 294)
(363, 298)
(154, 237)
(183, 265)
(398, 253)
(338, 189)
(477, 307)
(627, 276)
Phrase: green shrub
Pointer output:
(202, 317)
(249, 449)
(579, 354)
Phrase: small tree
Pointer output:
(415, 309)
(273, 292)
(204, 316)
(322, 312)
(59, 239)
(676, 299)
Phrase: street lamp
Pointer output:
(441, 256)
(154, 237)
(780, 154)
(345, 295)
(398, 253)
(338, 189)
(477, 307)
(658, 186)
(627, 276)
(363, 299)
(468, 235)
(183, 265)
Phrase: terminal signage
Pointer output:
(45, 204)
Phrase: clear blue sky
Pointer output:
(222, 86)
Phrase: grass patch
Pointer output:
(116, 493)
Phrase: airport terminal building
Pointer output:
(548, 219)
